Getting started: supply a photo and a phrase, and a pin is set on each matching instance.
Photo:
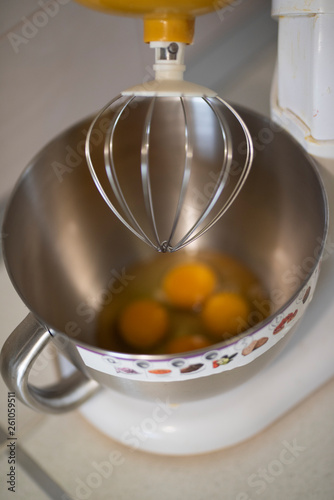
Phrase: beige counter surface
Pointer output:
(64, 457)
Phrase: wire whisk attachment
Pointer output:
(169, 167)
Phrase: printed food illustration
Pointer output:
(307, 294)
(160, 371)
(223, 361)
(192, 368)
(124, 369)
(175, 304)
(254, 345)
(285, 321)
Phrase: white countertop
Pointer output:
(66, 458)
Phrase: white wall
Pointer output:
(61, 65)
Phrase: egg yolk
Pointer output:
(187, 343)
(143, 323)
(225, 314)
(188, 285)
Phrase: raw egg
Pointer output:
(180, 303)
(225, 314)
(143, 323)
(188, 285)
(187, 343)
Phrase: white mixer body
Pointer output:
(302, 99)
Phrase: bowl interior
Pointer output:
(64, 246)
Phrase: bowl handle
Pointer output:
(17, 358)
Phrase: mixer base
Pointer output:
(230, 418)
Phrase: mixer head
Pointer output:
(174, 155)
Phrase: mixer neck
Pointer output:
(169, 68)
(169, 60)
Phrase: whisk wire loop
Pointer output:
(188, 154)
(140, 234)
(220, 183)
(225, 172)
(145, 170)
(244, 170)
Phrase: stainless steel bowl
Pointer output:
(64, 247)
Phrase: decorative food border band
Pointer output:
(212, 361)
